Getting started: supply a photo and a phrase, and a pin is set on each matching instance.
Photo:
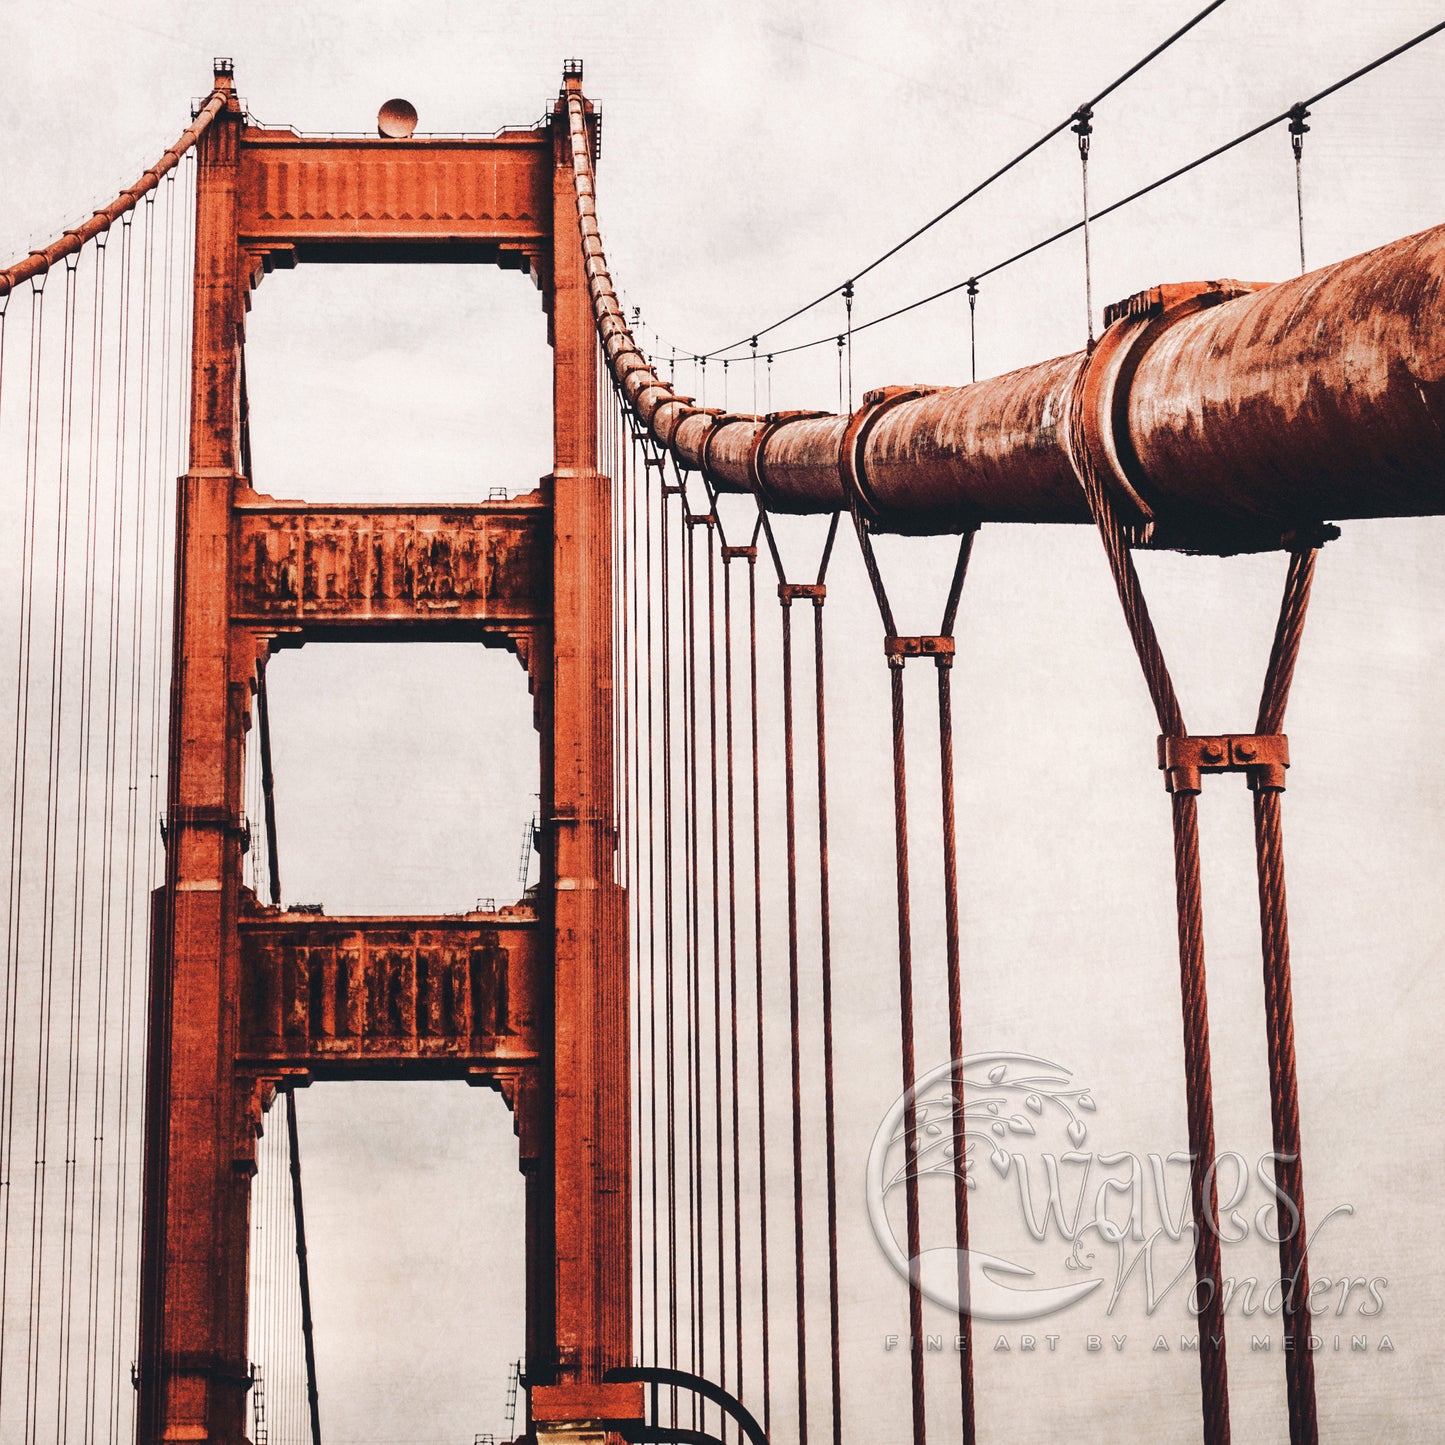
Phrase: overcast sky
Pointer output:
(754, 154)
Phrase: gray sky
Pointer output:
(752, 155)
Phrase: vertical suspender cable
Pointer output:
(119, 862)
(972, 328)
(651, 902)
(303, 1271)
(628, 456)
(786, 594)
(80, 874)
(944, 663)
(669, 969)
(731, 797)
(95, 746)
(111, 964)
(896, 660)
(758, 986)
(691, 946)
(1083, 128)
(20, 790)
(1199, 1088)
(1279, 1012)
(1297, 132)
(141, 810)
(60, 647)
(910, 1067)
(45, 1040)
(792, 866)
(268, 787)
(717, 967)
(825, 943)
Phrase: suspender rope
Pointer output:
(787, 594)
(303, 1270)
(648, 461)
(1267, 785)
(624, 447)
(694, 1005)
(898, 650)
(1199, 1090)
(728, 555)
(1264, 757)
(1083, 127)
(717, 1005)
(943, 662)
(669, 971)
(826, 963)
(758, 980)
(973, 328)
(1297, 132)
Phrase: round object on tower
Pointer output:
(396, 120)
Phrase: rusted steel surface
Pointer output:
(192, 1371)
(1321, 397)
(40, 261)
(1227, 415)
(581, 1254)
(330, 198)
(356, 996)
(245, 1000)
(341, 569)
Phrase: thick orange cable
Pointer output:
(732, 907)
(716, 900)
(758, 985)
(1279, 1016)
(1189, 907)
(41, 260)
(785, 598)
(825, 945)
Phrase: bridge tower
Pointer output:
(247, 998)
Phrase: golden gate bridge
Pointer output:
(164, 1001)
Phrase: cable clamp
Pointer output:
(789, 592)
(734, 554)
(899, 649)
(699, 519)
(1298, 130)
(1264, 757)
(757, 476)
(670, 489)
(857, 491)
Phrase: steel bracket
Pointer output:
(789, 592)
(1264, 757)
(899, 649)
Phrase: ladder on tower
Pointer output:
(514, 1377)
(259, 1435)
(530, 830)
